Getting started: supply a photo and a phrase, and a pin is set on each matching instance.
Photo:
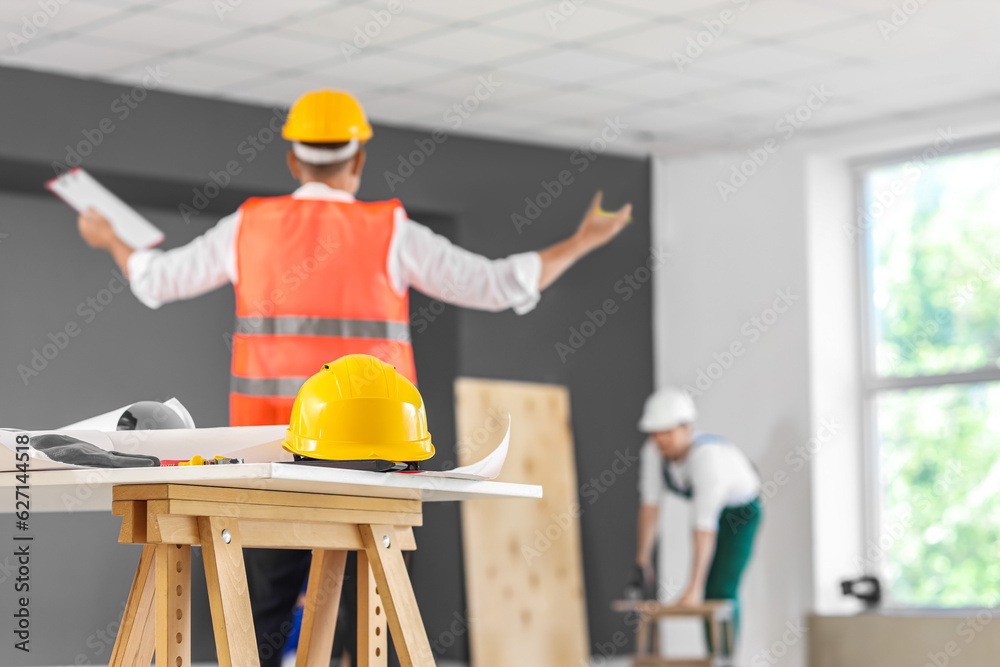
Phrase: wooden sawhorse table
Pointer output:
(647, 649)
(168, 519)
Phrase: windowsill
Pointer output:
(920, 612)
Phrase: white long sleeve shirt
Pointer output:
(418, 258)
(718, 474)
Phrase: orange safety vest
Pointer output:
(312, 285)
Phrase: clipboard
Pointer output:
(82, 191)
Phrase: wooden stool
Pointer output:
(168, 519)
(647, 641)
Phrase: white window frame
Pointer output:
(872, 385)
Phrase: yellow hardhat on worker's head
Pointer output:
(358, 408)
(326, 117)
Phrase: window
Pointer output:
(932, 375)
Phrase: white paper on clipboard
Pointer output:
(81, 191)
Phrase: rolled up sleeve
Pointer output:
(432, 264)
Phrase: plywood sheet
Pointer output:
(523, 564)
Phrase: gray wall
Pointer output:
(467, 189)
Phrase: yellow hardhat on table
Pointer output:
(326, 117)
(359, 408)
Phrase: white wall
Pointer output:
(783, 230)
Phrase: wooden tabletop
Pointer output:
(90, 489)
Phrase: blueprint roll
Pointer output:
(139, 416)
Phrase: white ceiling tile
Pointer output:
(771, 18)
(29, 26)
(569, 66)
(69, 55)
(746, 101)
(663, 83)
(286, 89)
(364, 25)
(149, 29)
(554, 85)
(670, 8)
(202, 73)
(659, 119)
(386, 69)
(658, 43)
(464, 10)
(550, 23)
(579, 105)
(757, 62)
(499, 87)
(857, 6)
(470, 46)
(273, 52)
(247, 11)
(512, 117)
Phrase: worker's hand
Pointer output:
(692, 597)
(96, 230)
(599, 227)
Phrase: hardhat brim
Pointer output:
(339, 450)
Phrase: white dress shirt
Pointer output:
(418, 258)
(719, 474)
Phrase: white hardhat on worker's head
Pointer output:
(665, 409)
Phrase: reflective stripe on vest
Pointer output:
(312, 285)
(287, 387)
(322, 326)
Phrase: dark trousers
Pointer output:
(733, 547)
(275, 578)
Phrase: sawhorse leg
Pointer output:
(319, 615)
(373, 640)
(228, 595)
(136, 638)
(173, 605)
(396, 594)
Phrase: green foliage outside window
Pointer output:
(935, 300)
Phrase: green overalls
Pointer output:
(733, 544)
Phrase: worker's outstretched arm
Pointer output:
(98, 233)
(704, 550)
(158, 277)
(598, 227)
(648, 517)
